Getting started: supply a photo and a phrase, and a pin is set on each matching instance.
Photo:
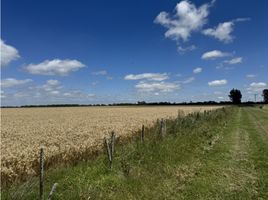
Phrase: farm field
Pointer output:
(68, 134)
(221, 154)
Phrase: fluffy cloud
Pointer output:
(102, 72)
(187, 18)
(52, 87)
(147, 76)
(8, 54)
(197, 70)
(211, 55)
(257, 87)
(51, 92)
(223, 31)
(12, 82)
(217, 82)
(55, 67)
(157, 87)
(234, 61)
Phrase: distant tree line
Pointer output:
(136, 104)
(235, 98)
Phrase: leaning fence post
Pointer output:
(162, 127)
(41, 191)
(165, 127)
(112, 144)
(108, 152)
(142, 133)
(53, 189)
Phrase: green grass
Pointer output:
(220, 154)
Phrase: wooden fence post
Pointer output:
(162, 127)
(52, 191)
(112, 144)
(108, 152)
(165, 127)
(41, 175)
(142, 133)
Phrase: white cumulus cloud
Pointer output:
(217, 82)
(8, 53)
(157, 87)
(12, 82)
(54, 89)
(197, 70)
(147, 76)
(50, 92)
(187, 18)
(257, 86)
(55, 67)
(211, 55)
(51, 87)
(223, 31)
(234, 61)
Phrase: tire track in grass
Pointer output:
(265, 111)
(260, 123)
(240, 172)
(255, 124)
(228, 173)
(263, 115)
(242, 168)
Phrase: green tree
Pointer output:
(265, 95)
(235, 96)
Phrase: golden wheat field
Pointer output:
(67, 134)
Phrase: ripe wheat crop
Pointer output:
(67, 134)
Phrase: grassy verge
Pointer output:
(256, 122)
(213, 155)
(228, 173)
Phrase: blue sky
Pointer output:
(128, 51)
